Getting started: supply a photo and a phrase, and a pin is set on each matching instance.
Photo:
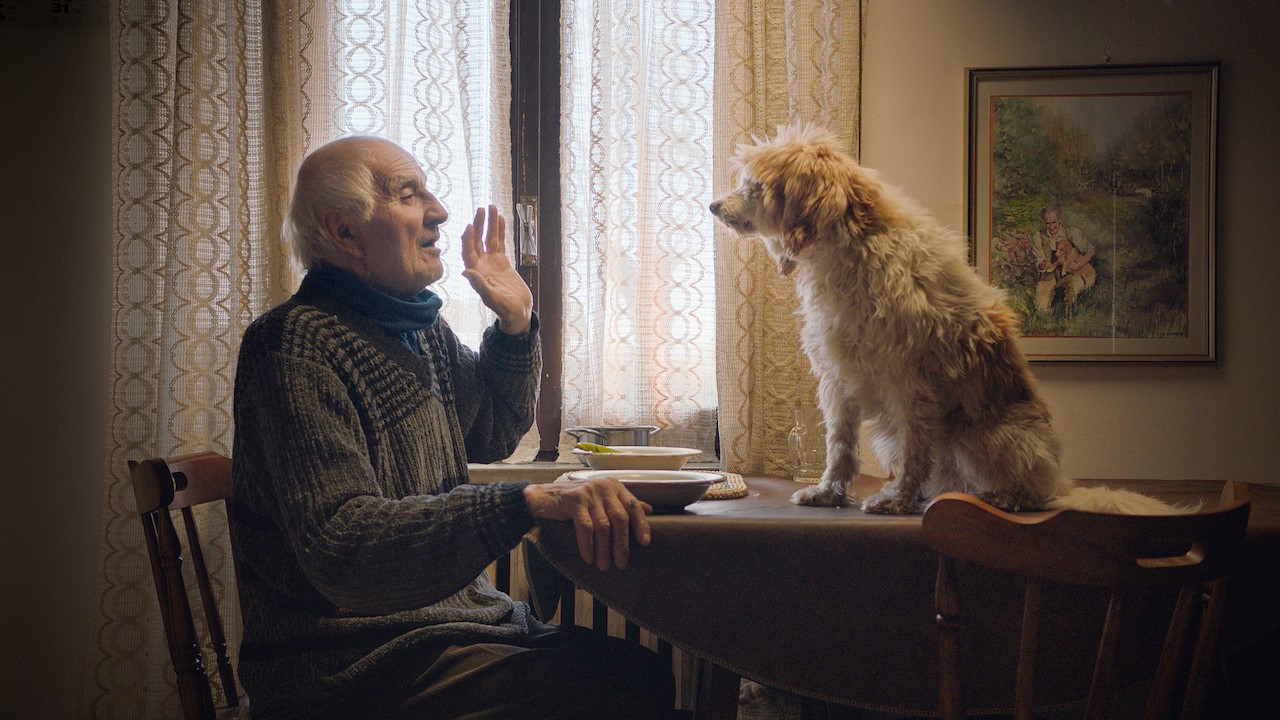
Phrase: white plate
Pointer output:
(638, 457)
(665, 490)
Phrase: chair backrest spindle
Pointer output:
(213, 617)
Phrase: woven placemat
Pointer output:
(731, 487)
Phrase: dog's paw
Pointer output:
(886, 504)
(822, 495)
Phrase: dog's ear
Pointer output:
(795, 201)
(795, 239)
(813, 202)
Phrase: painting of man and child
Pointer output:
(1090, 206)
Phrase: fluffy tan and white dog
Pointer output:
(900, 331)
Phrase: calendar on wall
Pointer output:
(70, 13)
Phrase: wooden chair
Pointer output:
(1187, 554)
(180, 483)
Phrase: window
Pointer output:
(613, 126)
(608, 153)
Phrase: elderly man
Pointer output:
(1062, 257)
(360, 545)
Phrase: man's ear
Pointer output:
(339, 232)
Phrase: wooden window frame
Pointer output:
(535, 136)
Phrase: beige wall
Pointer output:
(55, 288)
(1145, 420)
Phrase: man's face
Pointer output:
(400, 240)
(1052, 224)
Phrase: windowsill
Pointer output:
(540, 472)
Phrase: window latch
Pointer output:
(527, 231)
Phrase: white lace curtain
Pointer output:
(217, 101)
(636, 143)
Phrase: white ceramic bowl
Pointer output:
(637, 457)
(665, 490)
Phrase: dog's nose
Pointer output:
(715, 207)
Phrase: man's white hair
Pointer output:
(346, 182)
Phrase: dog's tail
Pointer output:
(1117, 501)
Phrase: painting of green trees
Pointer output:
(1117, 168)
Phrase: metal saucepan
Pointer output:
(612, 435)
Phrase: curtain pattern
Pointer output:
(193, 264)
(777, 61)
(216, 102)
(636, 136)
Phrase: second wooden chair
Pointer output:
(1187, 554)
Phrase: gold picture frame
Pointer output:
(1091, 203)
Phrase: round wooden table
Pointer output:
(835, 604)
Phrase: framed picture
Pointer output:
(1091, 202)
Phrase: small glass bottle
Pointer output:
(807, 446)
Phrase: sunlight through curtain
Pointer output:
(636, 143)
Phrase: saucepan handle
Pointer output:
(578, 432)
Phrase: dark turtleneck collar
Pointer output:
(402, 317)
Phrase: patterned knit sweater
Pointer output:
(360, 547)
